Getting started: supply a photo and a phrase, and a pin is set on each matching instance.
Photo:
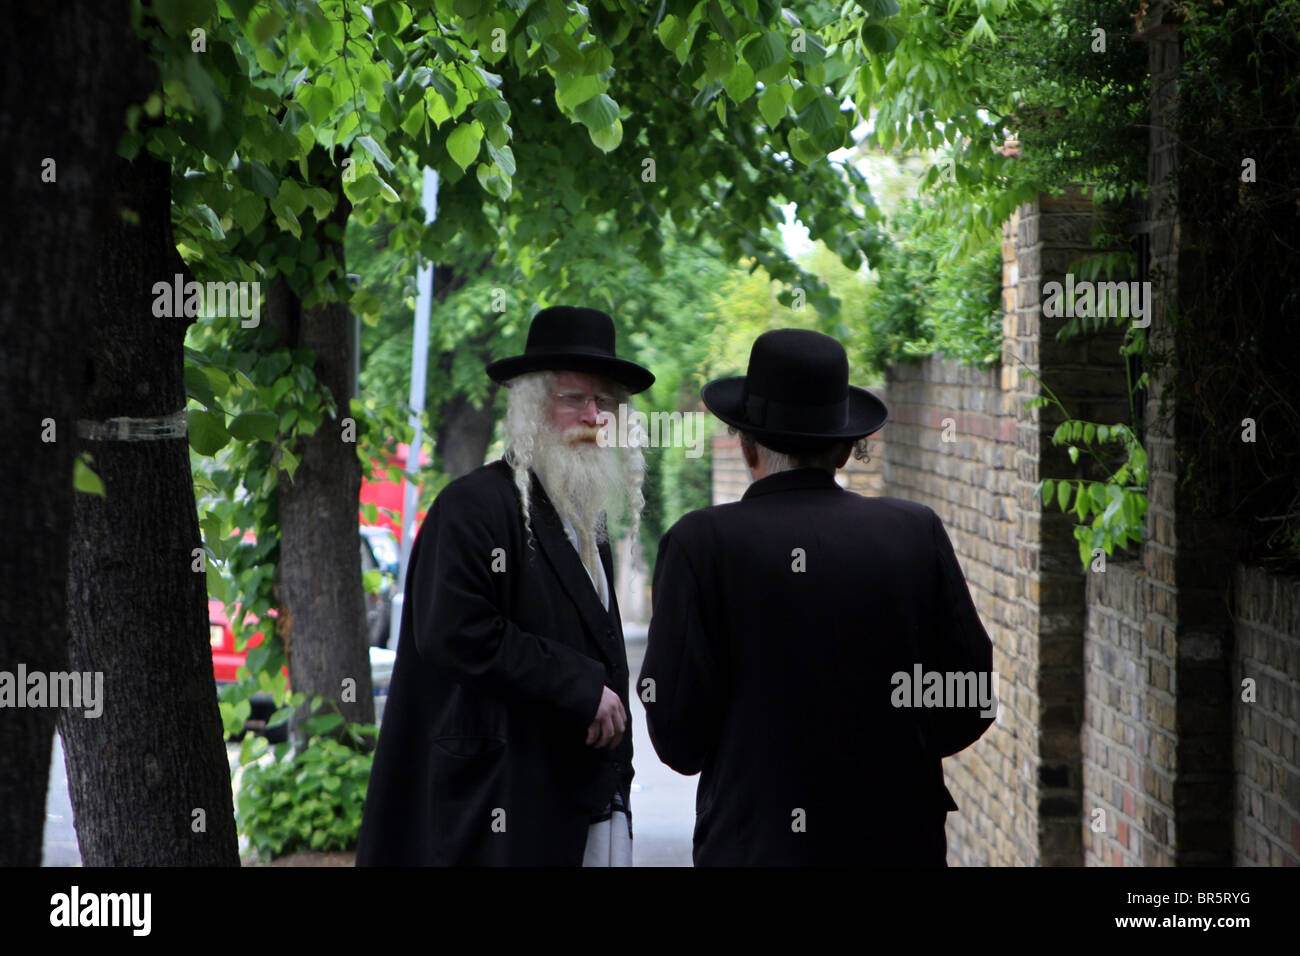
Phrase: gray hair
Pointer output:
(826, 458)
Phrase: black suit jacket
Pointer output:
(482, 757)
(775, 684)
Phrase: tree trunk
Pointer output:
(322, 605)
(464, 429)
(149, 777)
(63, 91)
(464, 433)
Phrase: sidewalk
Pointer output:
(663, 801)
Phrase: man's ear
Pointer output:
(750, 451)
(848, 449)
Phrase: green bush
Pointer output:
(309, 800)
(928, 301)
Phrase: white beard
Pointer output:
(578, 478)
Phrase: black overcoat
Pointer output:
(503, 653)
(778, 624)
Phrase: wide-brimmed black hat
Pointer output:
(796, 394)
(576, 340)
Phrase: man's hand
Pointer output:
(611, 720)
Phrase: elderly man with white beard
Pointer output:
(506, 739)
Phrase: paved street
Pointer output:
(60, 847)
(663, 801)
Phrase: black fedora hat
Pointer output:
(573, 339)
(796, 394)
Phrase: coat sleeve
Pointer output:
(683, 717)
(460, 625)
(959, 643)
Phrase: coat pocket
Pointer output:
(467, 770)
(468, 800)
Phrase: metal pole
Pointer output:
(419, 370)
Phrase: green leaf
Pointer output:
(981, 30)
(267, 26)
(721, 23)
(318, 101)
(252, 425)
(489, 177)
(207, 432)
(1097, 493)
(878, 39)
(374, 149)
(1063, 495)
(363, 187)
(607, 140)
(771, 104)
(718, 60)
(802, 149)
(198, 387)
(179, 17)
(765, 50)
(322, 724)
(813, 57)
(292, 196)
(211, 221)
(1045, 488)
(598, 113)
(258, 658)
(672, 32)
(463, 143)
(570, 89)
(84, 479)
(491, 111)
(1081, 505)
(262, 179)
(819, 116)
(879, 9)
(321, 201)
(503, 157)
(739, 83)
(249, 211)
(1112, 507)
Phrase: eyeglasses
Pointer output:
(577, 401)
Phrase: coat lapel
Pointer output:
(607, 560)
(564, 560)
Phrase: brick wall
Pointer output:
(1266, 731)
(952, 446)
(1128, 752)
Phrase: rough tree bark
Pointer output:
(63, 91)
(322, 604)
(149, 778)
